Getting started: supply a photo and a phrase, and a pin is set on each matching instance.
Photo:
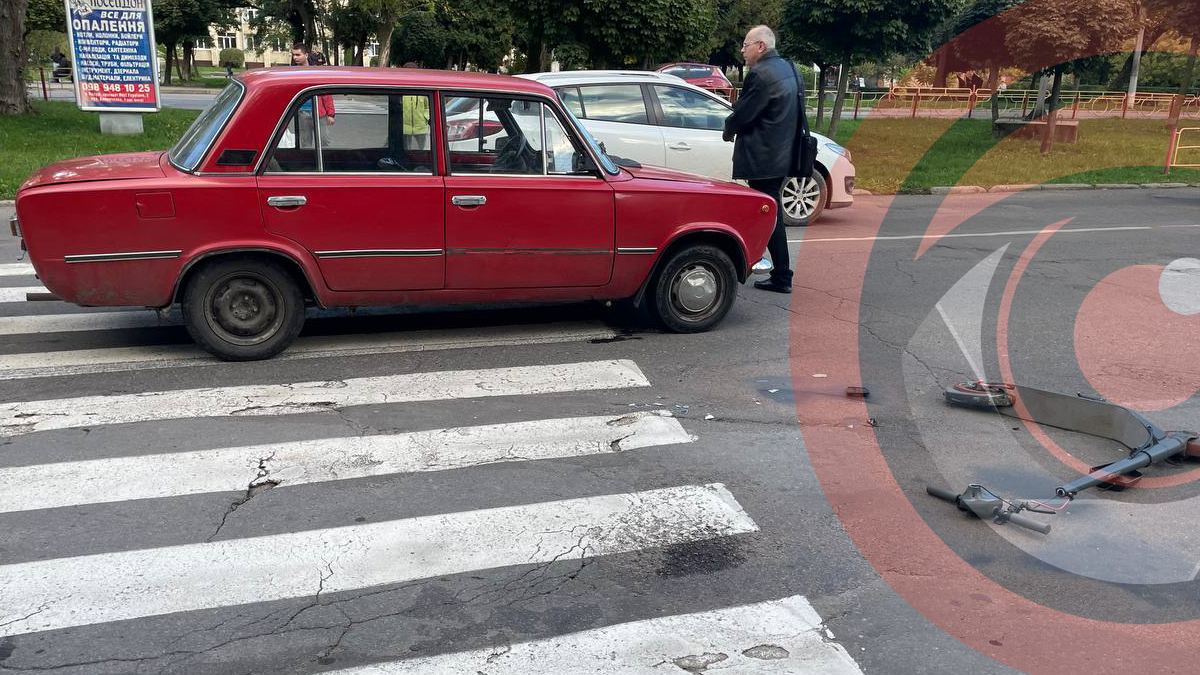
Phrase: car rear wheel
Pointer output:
(694, 289)
(243, 309)
(804, 199)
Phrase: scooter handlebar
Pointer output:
(942, 493)
(1029, 523)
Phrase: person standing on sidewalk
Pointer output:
(764, 123)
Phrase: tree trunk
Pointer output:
(189, 55)
(169, 49)
(1039, 108)
(1048, 131)
(993, 74)
(843, 79)
(1055, 90)
(384, 35)
(360, 51)
(533, 58)
(1122, 79)
(1189, 73)
(820, 95)
(14, 97)
(943, 68)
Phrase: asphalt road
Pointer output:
(526, 489)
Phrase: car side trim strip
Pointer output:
(382, 253)
(117, 257)
(559, 251)
(637, 251)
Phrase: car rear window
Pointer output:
(192, 146)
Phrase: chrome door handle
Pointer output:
(283, 202)
(468, 200)
(679, 146)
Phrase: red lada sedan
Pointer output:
(342, 187)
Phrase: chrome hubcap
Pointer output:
(696, 289)
(800, 197)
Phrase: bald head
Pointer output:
(758, 41)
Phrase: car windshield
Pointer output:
(605, 160)
(189, 150)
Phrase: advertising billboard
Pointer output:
(116, 63)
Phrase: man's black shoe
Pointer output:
(773, 286)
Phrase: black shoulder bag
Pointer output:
(804, 147)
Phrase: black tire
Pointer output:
(803, 204)
(243, 308)
(709, 273)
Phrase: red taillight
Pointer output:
(465, 131)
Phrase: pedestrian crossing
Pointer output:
(136, 584)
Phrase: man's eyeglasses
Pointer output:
(752, 42)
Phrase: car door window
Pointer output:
(564, 156)
(614, 103)
(572, 100)
(690, 110)
(497, 134)
(357, 133)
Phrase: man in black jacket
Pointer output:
(764, 121)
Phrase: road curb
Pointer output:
(1051, 187)
(8, 202)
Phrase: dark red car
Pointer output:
(342, 187)
(701, 75)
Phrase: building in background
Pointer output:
(259, 53)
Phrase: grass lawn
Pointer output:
(62, 131)
(886, 154)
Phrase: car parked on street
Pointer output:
(701, 75)
(656, 118)
(301, 186)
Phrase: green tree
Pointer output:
(865, 30)
(1049, 35)
(986, 49)
(352, 28)
(421, 39)
(1184, 17)
(734, 19)
(645, 32)
(542, 25)
(300, 15)
(178, 22)
(479, 32)
(386, 14)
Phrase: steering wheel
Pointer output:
(514, 157)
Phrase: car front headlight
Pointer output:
(837, 150)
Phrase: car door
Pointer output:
(691, 125)
(353, 178)
(528, 211)
(618, 115)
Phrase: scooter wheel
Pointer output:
(979, 395)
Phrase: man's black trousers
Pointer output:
(778, 243)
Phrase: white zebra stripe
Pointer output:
(84, 322)
(766, 638)
(46, 486)
(302, 397)
(17, 293)
(60, 593)
(116, 359)
(16, 270)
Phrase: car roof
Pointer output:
(302, 77)
(615, 77)
(562, 77)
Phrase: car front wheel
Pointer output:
(243, 309)
(804, 199)
(694, 289)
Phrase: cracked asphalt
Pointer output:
(739, 375)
